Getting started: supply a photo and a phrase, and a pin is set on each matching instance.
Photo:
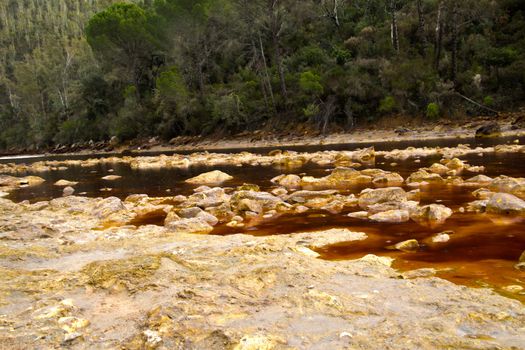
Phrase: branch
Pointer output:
(477, 104)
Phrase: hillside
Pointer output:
(73, 70)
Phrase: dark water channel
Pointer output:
(482, 250)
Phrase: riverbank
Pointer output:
(396, 130)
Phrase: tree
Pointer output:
(123, 36)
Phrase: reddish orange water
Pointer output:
(482, 250)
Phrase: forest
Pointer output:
(79, 71)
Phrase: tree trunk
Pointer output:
(394, 32)
(268, 82)
(276, 33)
(421, 26)
(439, 36)
(454, 60)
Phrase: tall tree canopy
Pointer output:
(73, 70)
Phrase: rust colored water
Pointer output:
(482, 250)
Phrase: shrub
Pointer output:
(433, 110)
(488, 101)
(387, 105)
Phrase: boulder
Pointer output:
(505, 203)
(65, 183)
(68, 191)
(438, 168)
(478, 180)
(212, 177)
(388, 179)
(195, 212)
(505, 183)
(424, 176)
(391, 216)
(410, 245)
(290, 181)
(489, 130)
(431, 215)
(381, 195)
(254, 201)
(211, 197)
(108, 206)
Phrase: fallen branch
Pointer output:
(477, 104)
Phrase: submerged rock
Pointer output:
(214, 177)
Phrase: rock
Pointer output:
(504, 203)
(424, 176)
(64, 183)
(289, 181)
(68, 191)
(108, 206)
(419, 273)
(441, 238)
(477, 206)
(249, 187)
(209, 198)
(212, 178)
(195, 212)
(431, 215)
(478, 180)
(388, 179)
(362, 215)
(193, 225)
(114, 141)
(396, 205)
(391, 216)
(437, 168)
(72, 324)
(407, 246)
(135, 198)
(111, 177)
(455, 164)
(519, 123)
(365, 156)
(256, 342)
(505, 184)
(489, 130)
(254, 201)
(381, 195)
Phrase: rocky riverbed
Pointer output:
(147, 272)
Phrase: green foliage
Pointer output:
(488, 101)
(310, 83)
(387, 105)
(311, 110)
(73, 70)
(433, 111)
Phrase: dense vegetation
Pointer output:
(76, 70)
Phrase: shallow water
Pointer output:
(481, 252)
